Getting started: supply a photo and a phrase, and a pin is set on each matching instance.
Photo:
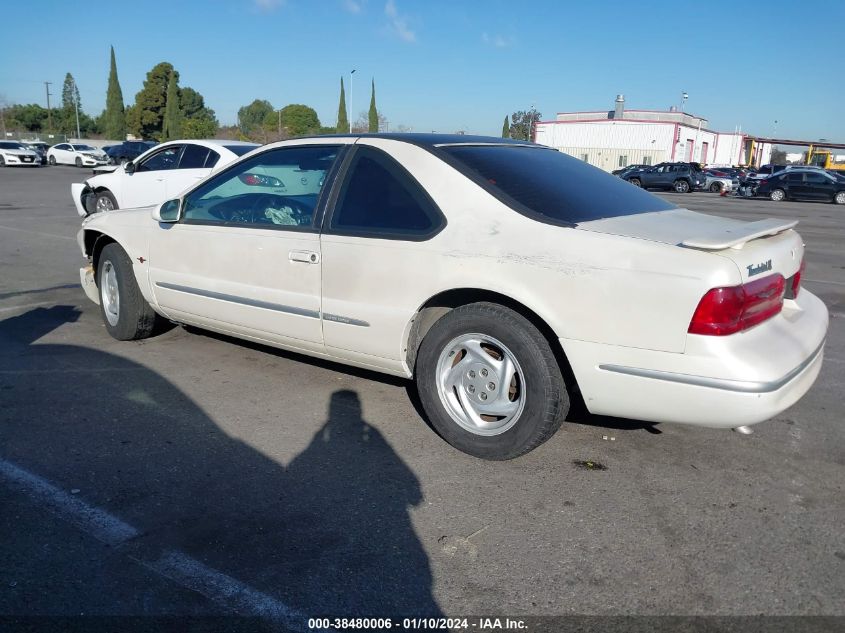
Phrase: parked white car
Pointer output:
(719, 184)
(501, 276)
(160, 173)
(76, 154)
(14, 154)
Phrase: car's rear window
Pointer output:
(551, 184)
(240, 150)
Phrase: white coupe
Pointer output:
(76, 154)
(158, 174)
(503, 277)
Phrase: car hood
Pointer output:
(20, 152)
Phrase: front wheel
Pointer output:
(681, 186)
(105, 202)
(636, 182)
(78, 162)
(52, 160)
(716, 187)
(777, 195)
(489, 382)
(2, 162)
(839, 198)
(126, 314)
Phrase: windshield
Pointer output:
(83, 148)
(240, 150)
(545, 182)
(10, 145)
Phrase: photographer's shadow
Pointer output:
(328, 535)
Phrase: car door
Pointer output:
(192, 168)
(818, 186)
(147, 183)
(63, 154)
(370, 241)
(660, 176)
(245, 256)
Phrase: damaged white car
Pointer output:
(503, 277)
(156, 175)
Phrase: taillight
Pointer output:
(724, 311)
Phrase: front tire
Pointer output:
(777, 195)
(78, 162)
(839, 198)
(489, 382)
(52, 160)
(2, 162)
(126, 314)
(716, 187)
(681, 186)
(105, 202)
(636, 182)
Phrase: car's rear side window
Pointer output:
(556, 187)
(193, 157)
(212, 159)
(381, 199)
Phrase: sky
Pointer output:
(449, 65)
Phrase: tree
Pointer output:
(251, 118)
(373, 114)
(113, 120)
(362, 123)
(778, 157)
(523, 124)
(342, 120)
(299, 120)
(172, 125)
(146, 118)
(70, 94)
(506, 129)
(199, 121)
(31, 117)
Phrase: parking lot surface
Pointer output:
(195, 474)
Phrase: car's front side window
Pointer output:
(277, 188)
(168, 158)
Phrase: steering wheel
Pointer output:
(272, 200)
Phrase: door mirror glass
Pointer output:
(168, 211)
(129, 167)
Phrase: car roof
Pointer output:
(434, 139)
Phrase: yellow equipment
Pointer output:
(823, 158)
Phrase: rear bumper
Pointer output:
(719, 382)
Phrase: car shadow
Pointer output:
(329, 533)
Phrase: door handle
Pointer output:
(308, 257)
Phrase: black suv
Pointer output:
(682, 177)
(126, 151)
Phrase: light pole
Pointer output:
(684, 97)
(349, 106)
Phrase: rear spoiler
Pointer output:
(736, 236)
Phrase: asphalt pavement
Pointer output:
(193, 474)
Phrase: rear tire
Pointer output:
(126, 314)
(489, 382)
(777, 195)
(636, 182)
(681, 186)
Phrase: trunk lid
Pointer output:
(757, 248)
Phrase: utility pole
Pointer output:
(49, 111)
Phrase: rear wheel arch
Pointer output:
(444, 302)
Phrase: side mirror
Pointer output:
(168, 212)
(129, 167)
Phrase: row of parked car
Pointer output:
(778, 182)
(37, 153)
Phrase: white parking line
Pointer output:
(176, 566)
(61, 237)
